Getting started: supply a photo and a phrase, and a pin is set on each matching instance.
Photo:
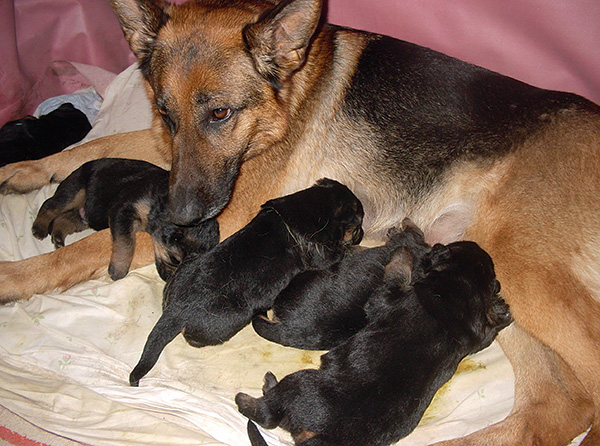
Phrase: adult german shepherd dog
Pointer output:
(259, 99)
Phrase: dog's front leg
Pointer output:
(83, 260)
(26, 176)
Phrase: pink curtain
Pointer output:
(549, 43)
(38, 37)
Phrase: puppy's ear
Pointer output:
(140, 21)
(279, 40)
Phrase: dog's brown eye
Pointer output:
(220, 114)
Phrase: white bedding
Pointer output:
(65, 357)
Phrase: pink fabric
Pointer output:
(552, 44)
(37, 36)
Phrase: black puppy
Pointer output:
(211, 297)
(127, 196)
(32, 138)
(373, 389)
(319, 309)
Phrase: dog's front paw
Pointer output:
(24, 176)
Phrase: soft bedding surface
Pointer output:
(65, 357)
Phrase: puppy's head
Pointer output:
(463, 292)
(327, 214)
(173, 243)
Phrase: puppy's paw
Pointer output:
(39, 230)
(58, 239)
(24, 176)
(391, 232)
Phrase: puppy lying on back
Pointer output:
(211, 297)
(127, 196)
(373, 389)
(319, 309)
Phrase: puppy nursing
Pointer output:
(128, 196)
(321, 308)
(432, 309)
(213, 296)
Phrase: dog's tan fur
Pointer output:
(534, 209)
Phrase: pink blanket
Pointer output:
(550, 44)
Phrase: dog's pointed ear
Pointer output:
(140, 21)
(279, 40)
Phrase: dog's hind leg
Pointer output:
(165, 330)
(551, 406)
(85, 259)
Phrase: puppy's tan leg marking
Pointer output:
(124, 224)
(85, 259)
(539, 225)
(26, 176)
(122, 254)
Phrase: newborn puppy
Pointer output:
(211, 297)
(319, 309)
(127, 196)
(31, 138)
(373, 389)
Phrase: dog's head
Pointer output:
(327, 214)
(218, 71)
(461, 290)
(173, 243)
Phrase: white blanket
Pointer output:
(65, 357)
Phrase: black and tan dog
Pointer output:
(374, 388)
(321, 308)
(212, 297)
(258, 99)
(128, 196)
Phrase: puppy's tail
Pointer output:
(256, 439)
(165, 330)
